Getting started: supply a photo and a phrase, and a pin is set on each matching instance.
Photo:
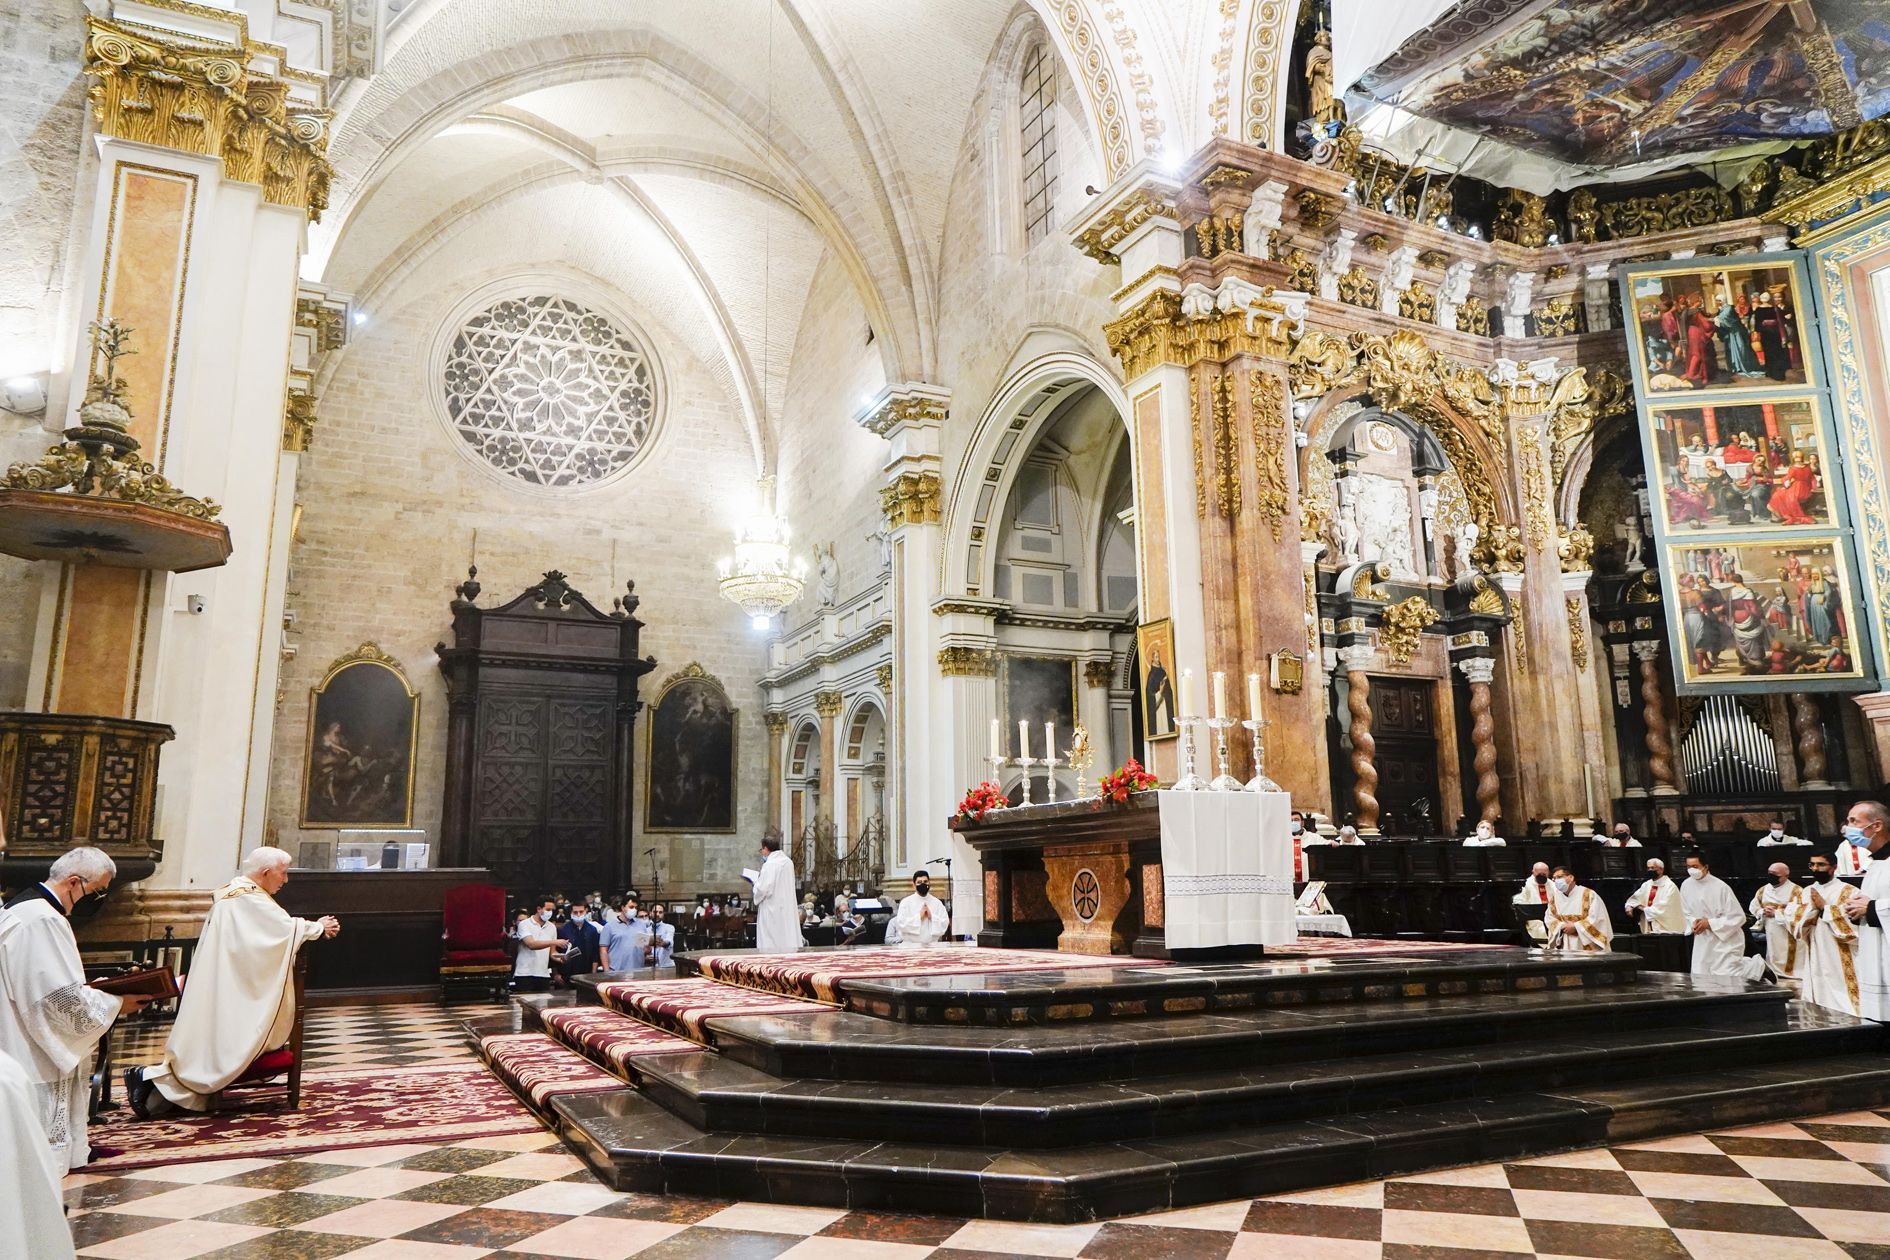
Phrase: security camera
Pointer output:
(195, 604)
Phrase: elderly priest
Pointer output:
(239, 999)
(50, 1019)
(1771, 909)
(1867, 828)
(1656, 903)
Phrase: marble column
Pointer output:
(827, 705)
(1358, 703)
(1660, 765)
(1477, 672)
(777, 732)
(1808, 734)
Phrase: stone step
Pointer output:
(636, 1145)
(718, 1094)
(841, 1045)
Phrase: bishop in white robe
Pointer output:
(1868, 827)
(239, 997)
(921, 918)
(1717, 923)
(1577, 918)
(1770, 907)
(1822, 922)
(777, 918)
(1656, 903)
(50, 1019)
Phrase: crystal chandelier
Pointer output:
(762, 577)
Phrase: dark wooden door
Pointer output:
(1404, 723)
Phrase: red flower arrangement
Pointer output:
(980, 800)
(1131, 778)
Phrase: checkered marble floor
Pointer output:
(350, 1036)
(1814, 1190)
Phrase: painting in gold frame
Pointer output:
(690, 756)
(363, 728)
(1741, 465)
(1155, 679)
(1718, 326)
(1770, 611)
(1038, 689)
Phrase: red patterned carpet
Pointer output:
(538, 1068)
(605, 1036)
(822, 974)
(340, 1108)
(1320, 946)
(683, 1006)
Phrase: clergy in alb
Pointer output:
(1771, 907)
(1717, 923)
(777, 918)
(1656, 903)
(1823, 922)
(1577, 918)
(239, 998)
(32, 1219)
(1867, 827)
(922, 918)
(50, 1019)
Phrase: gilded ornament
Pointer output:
(1418, 303)
(1316, 209)
(967, 662)
(1100, 239)
(1194, 434)
(1436, 259)
(1286, 672)
(1358, 289)
(1302, 271)
(1499, 547)
(1575, 547)
(1365, 581)
(1555, 272)
(1377, 242)
(298, 422)
(1584, 220)
(1099, 674)
(912, 499)
(1577, 632)
(1473, 317)
(1266, 394)
(325, 321)
(1219, 234)
(775, 722)
(883, 675)
(1557, 318)
(1157, 331)
(1537, 514)
(1644, 589)
(1314, 520)
(1519, 642)
(907, 408)
(827, 703)
(1400, 625)
(1487, 601)
(1522, 218)
(1667, 212)
(1226, 448)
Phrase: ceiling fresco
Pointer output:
(1612, 82)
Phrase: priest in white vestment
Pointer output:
(32, 1219)
(1775, 835)
(1823, 921)
(921, 918)
(1656, 903)
(239, 998)
(1535, 890)
(1484, 837)
(1577, 918)
(1852, 859)
(1867, 827)
(50, 1019)
(777, 917)
(1717, 923)
(1771, 907)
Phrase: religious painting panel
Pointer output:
(363, 720)
(1738, 325)
(1155, 679)
(1775, 612)
(1036, 690)
(1742, 465)
(691, 757)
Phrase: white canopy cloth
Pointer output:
(1227, 869)
(239, 998)
(32, 1219)
(50, 1023)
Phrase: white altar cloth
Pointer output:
(1227, 869)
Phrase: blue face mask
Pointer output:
(1856, 836)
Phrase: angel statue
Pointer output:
(1467, 535)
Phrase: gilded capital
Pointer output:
(298, 422)
(1200, 324)
(1101, 237)
(967, 662)
(912, 499)
(775, 722)
(899, 405)
(827, 703)
(883, 675)
(1099, 673)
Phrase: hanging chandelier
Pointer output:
(762, 577)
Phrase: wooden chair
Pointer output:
(473, 958)
(273, 1064)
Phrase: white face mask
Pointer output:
(1695, 872)
(577, 916)
(1564, 884)
(1483, 833)
(1777, 832)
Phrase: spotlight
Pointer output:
(25, 395)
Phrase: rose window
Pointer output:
(549, 392)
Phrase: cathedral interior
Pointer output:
(552, 447)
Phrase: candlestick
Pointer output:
(1223, 782)
(1185, 702)
(996, 762)
(1220, 695)
(1259, 782)
(1026, 763)
(997, 742)
(1189, 780)
(1253, 697)
(1023, 741)
(1050, 772)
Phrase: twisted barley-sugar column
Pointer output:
(1358, 703)
(1489, 788)
(1654, 716)
(1808, 726)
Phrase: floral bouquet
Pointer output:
(981, 800)
(1131, 778)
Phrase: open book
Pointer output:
(158, 983)
(750, 874)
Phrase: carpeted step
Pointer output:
(842, 1045)
(684, 1007)
(539, 1070)
(716, 1093)
(637, 1145)
(823, 974)
(609, 1039)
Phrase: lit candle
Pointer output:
(1049, 740)
(1220, 696)
(997, 740)
(1023, 740)
(1253, 696)
(1186, 701)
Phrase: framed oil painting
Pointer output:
(363, 720)
(691, 756)
(1742, 466)
(1038, 689)
(1723, 325)
(1756, 612)
(1155, 679)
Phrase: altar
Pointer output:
(1167, 874)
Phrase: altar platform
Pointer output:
(1050, 1088)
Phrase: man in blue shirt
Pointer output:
(618, 941)
(579, 935)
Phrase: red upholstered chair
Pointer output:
(284, 1062)
(473, 959)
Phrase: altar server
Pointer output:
(1577, 919)
(922, 918)
(1535, 889)
(1775, 835)
(1867, 826)
(1484, 837)
(239, 998)
(1717, 923)
(777, 918)
(50, 1019)
(1771, 907)
(1656, 903)
(32, 1219)
(1823, 921)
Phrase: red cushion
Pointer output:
(274, 1063)
(469, 957)
(473, 916)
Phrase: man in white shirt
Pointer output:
(1824, 921)
(1775, 834)
(1717, 923)
(1348, 834)
(1535, 889)
(1867, 826)
(1484, 837)
(1577, 919)
(1656, 903)
(922, 918)
(655, 939)
(537, 944)
(1771, 906)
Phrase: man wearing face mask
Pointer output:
(1577, 919)
(50, 1019)
(1484, 837)
(1623, 838)
(1535, 890)
(580, 939)
(1824, 921)
(1717, 923)
(538, 943)
(922, 918)
(1656, 903)
(1771, 907)
(1867, 828)
(1775, 834)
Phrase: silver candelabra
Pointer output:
(1026, 763)
(1189, 780)
(1259, 782)
(1049, 764)
(1223, 782)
